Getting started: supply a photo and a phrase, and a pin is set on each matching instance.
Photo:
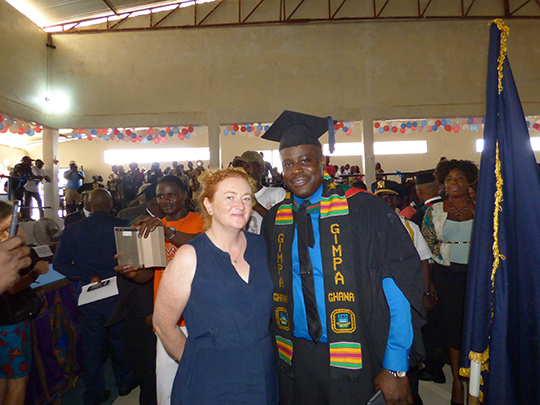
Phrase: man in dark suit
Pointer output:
(135, 307)
(86, 253)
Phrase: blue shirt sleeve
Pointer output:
(400, 337)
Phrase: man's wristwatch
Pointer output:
(173, 230)
(397, 374)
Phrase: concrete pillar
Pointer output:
(369, 156)
(214, 141)
(51, 153)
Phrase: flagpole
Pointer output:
(474, 383)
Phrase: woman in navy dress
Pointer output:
(220, 283)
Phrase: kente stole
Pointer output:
(342, 308)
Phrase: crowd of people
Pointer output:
(317, 292)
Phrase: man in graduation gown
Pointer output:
(347, 281)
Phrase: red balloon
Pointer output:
(386, 128)
(21, 131)
(3, 131)
(128, 132)
(341, 124)
(181, 136)
(190, 129)
(448, 128)
(456, 128)
(1, 118)
(184, 131)
(394, 129)
(336, 126)
(80, 131)
(163, 139)
(116, 131)
(536, 126)
(150, 131)
(377, 124)
(438, 123)
(243, 129)
(168, 130)
(37, 129)
(402, 130)
(156, 140)
(235, 128)
(89, 137)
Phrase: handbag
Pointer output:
(16, 308)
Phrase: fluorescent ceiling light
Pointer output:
(535, 143)
(147, 155)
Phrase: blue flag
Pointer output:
(502, 315)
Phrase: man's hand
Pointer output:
(396, 390)
(95, 279)
(127, 270)
(41, 267)
(13, 257)
(148, 224)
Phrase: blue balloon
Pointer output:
(93, 132)
(30, 132)
(415, 124)
(434, 127)
(144, 141)
(120, 136)
(73, 136)
(176, 130)
(149, 137)
(474, 127)
(381, 130)
(483, 120)
(133, 136)
(423, 123)
(107, 137)
(259, 127)
(345, 129)
(233, 132)
(470, 121)
(409, 124)
(266, 127)
(170, 133)
(225, 132)
(162, 133)
(79, 136)
(249, 129)
(188, 135)
(403, 125)
(528, 124)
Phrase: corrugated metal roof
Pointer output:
(46, 13)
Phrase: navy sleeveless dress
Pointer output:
(228, 358)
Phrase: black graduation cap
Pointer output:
(293, 129)
(425, 177)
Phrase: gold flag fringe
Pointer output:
(505, 31)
